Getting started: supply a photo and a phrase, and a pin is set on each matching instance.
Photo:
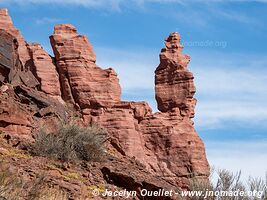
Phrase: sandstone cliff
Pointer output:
(38, 89)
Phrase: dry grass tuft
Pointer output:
(71, 142)
(14, 188)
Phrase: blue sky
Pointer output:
(226, 40)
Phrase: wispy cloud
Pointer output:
(135, 68)
(203, 14)
(107, 4)
(230, 88)
(201, 1)
(197, 12)
(119, 3)
(46, 20)
(235, 156)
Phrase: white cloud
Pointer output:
(189, 14)
(114, 4)
(230, 88)
(118, 3)
(249, 157)
(201, 1)
(217, 113)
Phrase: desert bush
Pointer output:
(71, 142)
(230, 182)
(258, 184)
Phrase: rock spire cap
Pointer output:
(4, 11)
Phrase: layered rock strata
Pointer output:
(82, 81)
(45, 70)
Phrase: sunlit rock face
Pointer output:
(174, 82)
(165, 142)
(82, 81)
(45, 70)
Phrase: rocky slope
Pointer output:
(38, 89)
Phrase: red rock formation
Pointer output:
(45, 70)
(7, 24)
(123, 128)
(165, 143)
(175, 149)
(8, 54)
(20, 72)
(82, 81)
(174, 83)
(13, 117)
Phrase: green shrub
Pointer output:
(71, 142)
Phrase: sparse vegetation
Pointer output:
(227, 181)
(71, 142)
(13, 187)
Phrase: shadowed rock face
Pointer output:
(165, 143)
(11, 68)
(8, 54)
(7, 25)
(20, 71)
